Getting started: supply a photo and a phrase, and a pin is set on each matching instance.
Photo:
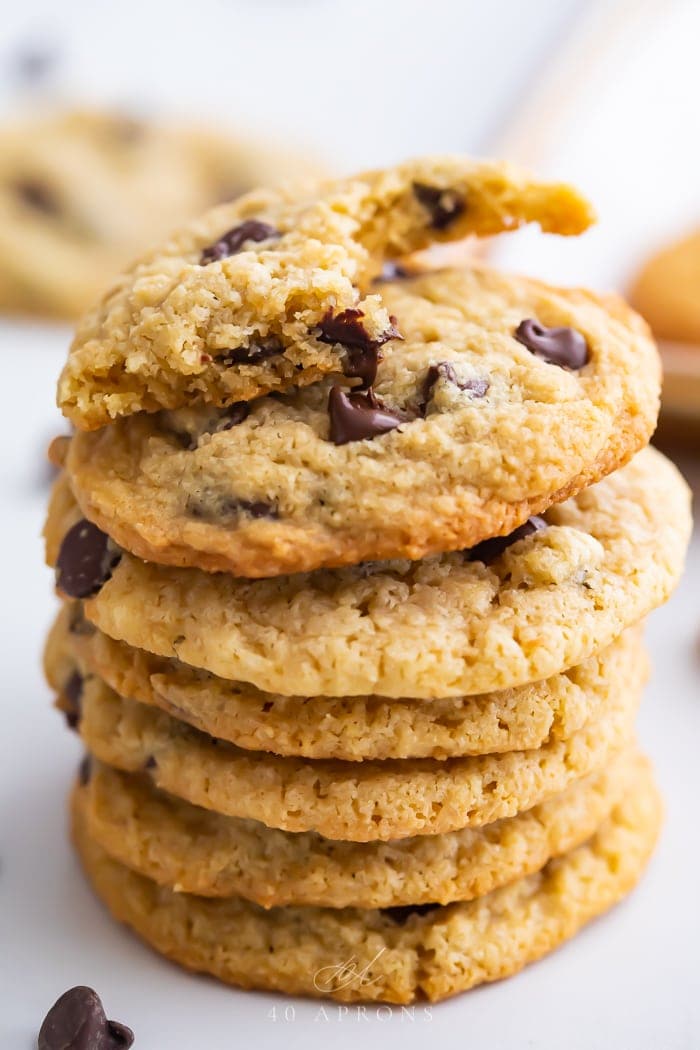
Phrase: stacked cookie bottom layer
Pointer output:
(356, 847)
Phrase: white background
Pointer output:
(361, 83)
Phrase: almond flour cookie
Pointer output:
(390, 955)
(193, 850)
(666, 291)
(358, 801)
(495, 617)
(348, 728)
(82, 193)
(486, 413)
(270, 291)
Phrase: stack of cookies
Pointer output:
(354, 557)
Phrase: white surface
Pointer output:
(631, 980)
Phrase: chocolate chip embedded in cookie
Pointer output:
(463, 434)
(85, 560)
(292, 267)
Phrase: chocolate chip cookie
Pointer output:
(273, 290)
(82, 193)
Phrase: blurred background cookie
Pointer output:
(83, 192)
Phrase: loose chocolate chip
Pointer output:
(37, 195)
(401, 915)
(445, 370)
(488, 550)
(77, 1021)
(557, 346)
(84, 771)
(85, 561)
(253, 354)
(444, 206)
(355, 417)
(72, 693)
(233, 240)
(363, 351)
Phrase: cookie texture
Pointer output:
(348, 728)
(445, 626)
(358, 801)
(193, 850)
(353, 954)
(666, 291)
(253, 297)
(489, 421)
(82, 193)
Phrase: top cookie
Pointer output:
(479, 418)
(666, 291)
(81, 194)
(264, 293)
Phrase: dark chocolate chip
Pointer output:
(557, 346)
(77, 1021)
(253, 354)
(233, 240)
(392, 271)
(401, 915)
(363, 354)
(488, 550)
(357, 416)
(445, 370)
(233, 415)
(84, 770)
(72, 693)
(209, 506)
(150, 763)
(85, 561)
(444, 205)
(37, 195)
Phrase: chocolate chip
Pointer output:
(234, 414)
(445, 370)
(233, 240)
(37, 195)
(363, 353)
(150, 763)
(71, 694)
(85, 561)
(78, 624)
(84, 771)
(209, 506)
(444, 205)
(557, 346)
(253, 354)
(488, 550)
(355, 417)
(401, 915)
(77, 1021)
(392, 271)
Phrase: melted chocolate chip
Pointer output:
(488, 550)
(401, 915)
(72, 693)
(363, 354)
(84, 771)
(85, 561)
(445, 370)
(77, 1021)
(444, 206)
(253, 354)
(37, 195)
(358, 416)
(233, 240)
(557, 346)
